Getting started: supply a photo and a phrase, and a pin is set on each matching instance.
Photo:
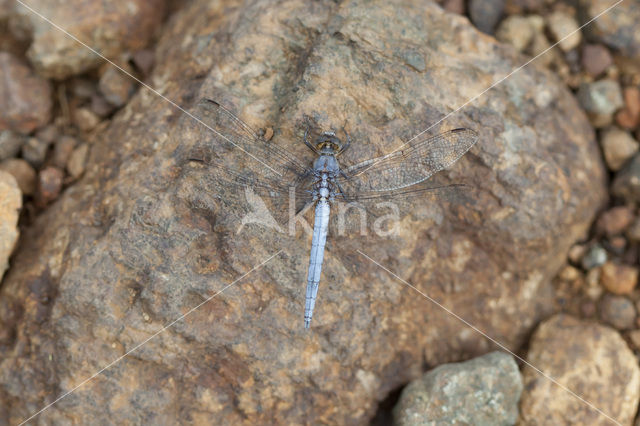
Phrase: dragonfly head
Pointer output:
(328, 143)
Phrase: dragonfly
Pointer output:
(273, 172)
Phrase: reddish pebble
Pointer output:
(614, 221)
(268, 134)
(143, 60)
(619, 279)
(596, 59)
(588, 308)
(454, 6)
(49, 185)
(629, 116)
(618, 244)
(634, 339)
(25, 97)
(576, 252)
(100, 106)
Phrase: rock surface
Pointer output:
(482, 391)
(25, 98)
(10, 204)
(124, 25)
(143, 237)
(590, 359)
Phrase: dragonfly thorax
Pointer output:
(326, 164)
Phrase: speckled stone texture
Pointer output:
(590, 359)
(141, 239)
(483, 391)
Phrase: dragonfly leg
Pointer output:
(307, 143)
(344, 148)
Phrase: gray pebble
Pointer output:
(10, 144)
(35, 151)
(618, 311)
(601, 97)
(596, 256)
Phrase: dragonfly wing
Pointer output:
(234, 163)
(233, 138)
(414, 163)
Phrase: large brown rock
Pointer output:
(590, 359)
(107, 26)
(141, 239)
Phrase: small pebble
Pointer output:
(626, 183)
(10, 144)
(618, 147)
(454, 6)
(485, 14)
(634, 339)
(517, 31)
(629, 116)
(100, 106)
(596, 58)
(48, 134)
(633, 233)
(619, 279)
(617, 244)
(618, 311)
(539, 45)
(268, 134)
(615, 220)
(62, 150)
(513, 7)
(77, 161)
(601, 97)
(116, 87)
(35, 151)
(600, 120)
(592, 289)
(577, 252)
(82, 88)
(588, 308)
(49, 185)
(144, 59)
(85, 119)
(569, 273)
(22, 171)
(25, 103)
(595, 256)
(560, 26)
